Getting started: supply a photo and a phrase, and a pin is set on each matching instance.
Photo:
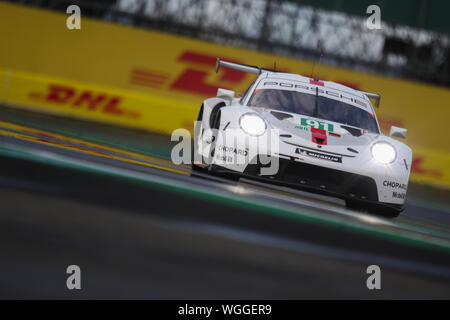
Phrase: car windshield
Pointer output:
(314, 106)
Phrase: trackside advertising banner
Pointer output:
(94, 102)
(155, 81)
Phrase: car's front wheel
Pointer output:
(214, 123)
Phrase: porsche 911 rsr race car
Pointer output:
(304, 133)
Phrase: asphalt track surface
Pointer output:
(141, 227)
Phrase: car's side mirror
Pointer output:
(225, 94)
(398, 132)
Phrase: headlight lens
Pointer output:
(383, 152)
(252, 124)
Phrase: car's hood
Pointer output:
(310, 131)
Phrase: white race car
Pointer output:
(307, 134)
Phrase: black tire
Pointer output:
(198, 169)
(194, 167)
(214, 122)
(380, 210)
(212, 118)
(225, 175)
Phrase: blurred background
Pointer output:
(139, 69)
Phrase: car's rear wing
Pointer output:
(241, 67)
(257, 70)
(375, 96)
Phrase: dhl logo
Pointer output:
(194, 78)
(84, 99)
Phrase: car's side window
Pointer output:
(247, 92)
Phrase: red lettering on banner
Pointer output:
(59, 94)
(86, 99)
(113, 107)
(92, 102)
(416, 167)
(194, 80)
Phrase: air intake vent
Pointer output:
(281, 115)
(353, 131)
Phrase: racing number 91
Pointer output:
(317, 124)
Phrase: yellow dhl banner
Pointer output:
(95, 103)
(120, 107)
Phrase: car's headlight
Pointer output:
(383, 152)
(252, 124)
